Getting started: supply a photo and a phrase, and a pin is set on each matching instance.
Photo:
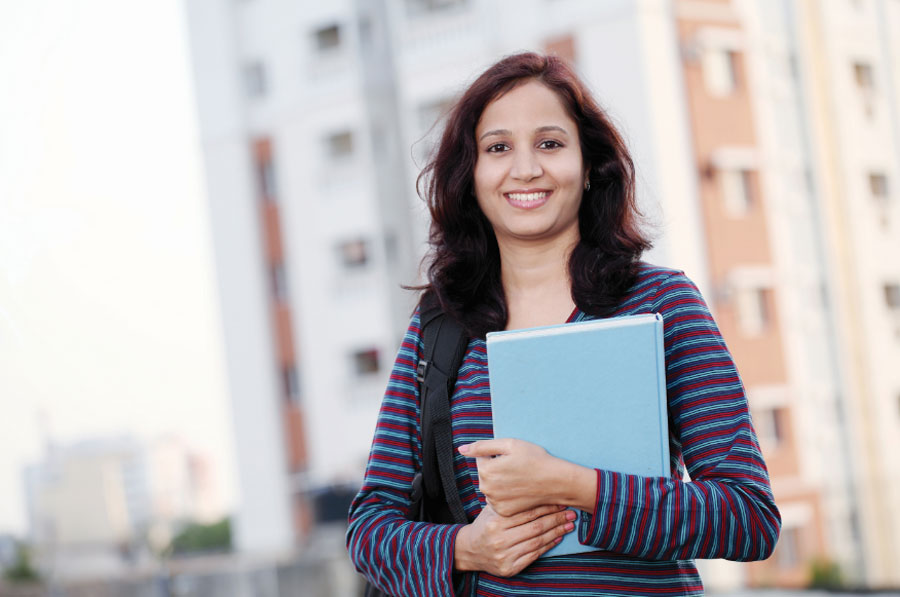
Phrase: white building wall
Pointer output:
(262, 522)
(866, 123)
(788, 177)
(852, 132)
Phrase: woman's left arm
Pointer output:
(727, 509)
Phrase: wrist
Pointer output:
(462, 552)
(577, 487)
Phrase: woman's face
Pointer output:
(529, 174)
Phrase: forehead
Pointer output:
(526, 107)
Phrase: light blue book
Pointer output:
(591, 392)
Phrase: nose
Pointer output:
(526, 166)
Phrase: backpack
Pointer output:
(434, 495)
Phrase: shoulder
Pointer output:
(662, 281)
(663, 290)
(650, 283)
(411, 345)
(656, 275)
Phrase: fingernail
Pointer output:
(571, 515)
(570, 526)
(557, 540)
(464, 449)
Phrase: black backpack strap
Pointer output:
(444, 346)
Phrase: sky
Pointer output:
(108, 315)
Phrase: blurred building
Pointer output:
(849, 70)
(95, 508)
(765, 168)
(794, 147)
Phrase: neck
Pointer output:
(536, 283)
(529, 266)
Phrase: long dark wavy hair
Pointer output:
(464, 260)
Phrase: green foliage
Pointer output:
(198, 538)
(21, 571)
(825, 574)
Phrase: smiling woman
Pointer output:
(534, 222)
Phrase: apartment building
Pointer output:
(794, 168)
(850, 61)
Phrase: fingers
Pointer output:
(550, 530)
(485, 448)
(533, 514)
(526, 560)
(534, 533)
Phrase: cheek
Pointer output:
(573, 174)
(479, 178)
(483, 205)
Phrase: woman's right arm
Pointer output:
(399, 556)
(403, 557)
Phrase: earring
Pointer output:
(587, 185)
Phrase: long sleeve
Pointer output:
(727, 509)
(400, 557)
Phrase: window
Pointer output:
(340, 145)
(787, 554)
(418, 7)
(279, 282)
(719, 71)
(290, 382)
(737, 191)
(255, 79)
(328, 39)
(365, 362)
(892, 296)
(265, 170)
(769, 426)
(878, 185)
(865, 83)
(862, 72)
(354, 254)
(753, 310)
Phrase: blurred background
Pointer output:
(207, 208)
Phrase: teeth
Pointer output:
(527, 196)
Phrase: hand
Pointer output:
(504, 546)
(515, 475)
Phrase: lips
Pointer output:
(527, 199)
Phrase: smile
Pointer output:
(528, 196)
(527, 200)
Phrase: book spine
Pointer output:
(663, 397)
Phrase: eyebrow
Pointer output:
(540, 129)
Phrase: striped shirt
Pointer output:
(647, 530)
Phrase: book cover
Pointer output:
(591, 392)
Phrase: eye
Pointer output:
(549, 144)
(497, 148)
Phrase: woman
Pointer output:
(534, 223)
